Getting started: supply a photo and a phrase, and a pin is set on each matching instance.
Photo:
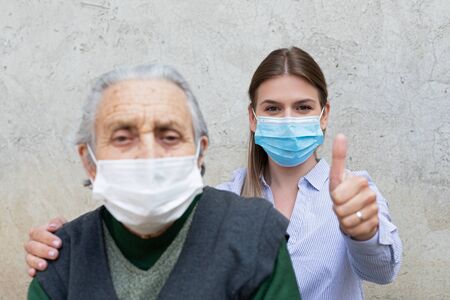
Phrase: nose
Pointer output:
(288, 112)
(148, 147)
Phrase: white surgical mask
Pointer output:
(147, 194)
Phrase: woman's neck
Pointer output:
(288, 177)
(283, 182)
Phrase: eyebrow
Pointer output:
(169, 125)
(301, 101)
(115, 124)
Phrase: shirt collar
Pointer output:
(316, 176)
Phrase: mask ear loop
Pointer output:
(91, 154)
(320, 118)
(197, 152)
(253, 111)
(323, 109)
(197, 157)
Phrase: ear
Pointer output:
(88, 164)
(325, 115)
(204, 144)
(251, 118)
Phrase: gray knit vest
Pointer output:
(230, 249)
(132, 283)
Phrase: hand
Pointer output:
(42, 245)
(354, 202)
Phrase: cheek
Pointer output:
(110, 152)
(185, 149)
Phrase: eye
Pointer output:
(122, 137)
(170, 137)
(304, 107)
(271, 108)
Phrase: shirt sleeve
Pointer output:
(36, 292)
(281, 284)
(378, 259)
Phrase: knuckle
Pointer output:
(339, 211)
(338, 199)
(375, 209)
(368, 226)
(31, 232)
(371, 195)
(28, 246)
(334, 195)
(362, 182)
(351, 232)
(34, 248)
(346, 223)
(372, 223)
(30, 260)
(376, 221)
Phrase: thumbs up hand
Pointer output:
(354, 202)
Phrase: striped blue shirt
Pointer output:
(328, 264)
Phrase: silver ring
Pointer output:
(359, 215)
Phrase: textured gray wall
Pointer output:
(387, 64)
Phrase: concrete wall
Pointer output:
(387, 64)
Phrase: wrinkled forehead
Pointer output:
(152, 100)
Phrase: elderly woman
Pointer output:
(159, 233)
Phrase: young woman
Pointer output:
(340, 231)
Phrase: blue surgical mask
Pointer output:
(289, 141)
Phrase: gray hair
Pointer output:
(86, 132)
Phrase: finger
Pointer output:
(353, 220)
(339, 154)
(31, 272)
(41, 250)
(349, 188)
(56, 224)
(36, 262)
(41, 235)
(357, 203)
(365, 230)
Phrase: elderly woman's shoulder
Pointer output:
(248, 214)
(81, 225)
(232, 202)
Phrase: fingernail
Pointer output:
(51, 253)
(56, 243)
(41, 265)
(52, 226)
